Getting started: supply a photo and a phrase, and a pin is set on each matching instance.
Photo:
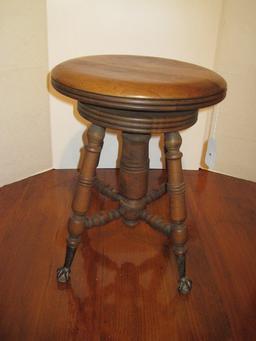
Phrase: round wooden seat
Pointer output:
(138, 77)
(154, 94)
(138, 94)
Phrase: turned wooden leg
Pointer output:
(133, 176)
(176, 189)
(82, 197)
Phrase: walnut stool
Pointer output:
(139, 96)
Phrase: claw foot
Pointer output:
(63, 274)
(185, 286)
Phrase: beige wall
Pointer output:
(236, 61)
(24, 113)
(180, 29)
(186, 30)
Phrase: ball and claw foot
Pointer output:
(185, 286)
(63, 274)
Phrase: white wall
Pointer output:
(236, 61)
(179, 29)
(25, 147)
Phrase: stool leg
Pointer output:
(82, 197)
(133, 176)
(176, 189)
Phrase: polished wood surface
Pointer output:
(138, 81)
(138, 94)
(138, 76)
(123, 286)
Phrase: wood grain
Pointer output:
(138, 77)
(123, 285)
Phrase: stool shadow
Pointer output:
(127, 286)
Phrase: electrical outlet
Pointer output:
(211, 153)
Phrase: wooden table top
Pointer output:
(138, 77)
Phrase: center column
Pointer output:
(133, 176)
